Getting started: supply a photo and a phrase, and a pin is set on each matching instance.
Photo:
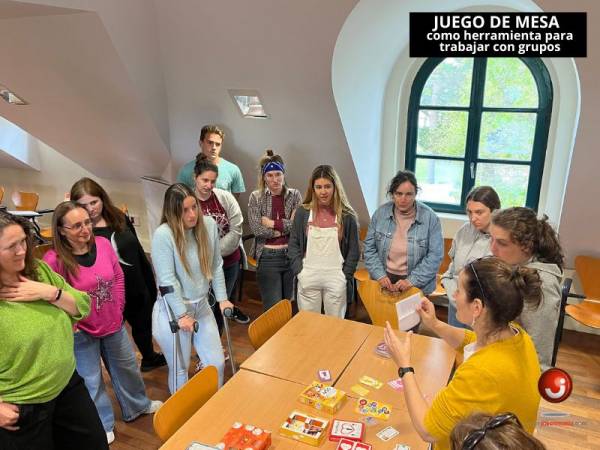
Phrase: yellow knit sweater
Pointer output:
(501, 377)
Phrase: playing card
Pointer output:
(358, 389)
(396, 384)
(387, 433)
(371, 382)
(324, 375)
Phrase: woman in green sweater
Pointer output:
(43, 401)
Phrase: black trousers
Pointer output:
(70, 421)
(138, 313)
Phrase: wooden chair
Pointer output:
(1, 193)
(25, 201)
(40, 250)
(185, 402)
(588, 311)
(566, 287)
(269, 322)
(439, 289)
(381, 305)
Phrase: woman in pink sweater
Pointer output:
(91, 265)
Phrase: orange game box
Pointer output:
(245, 437)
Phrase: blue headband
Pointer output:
(272, 166)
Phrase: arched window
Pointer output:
(479, 121)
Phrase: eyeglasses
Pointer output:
(476, 436)
(79, 225)
(14, 248)
(484, 299)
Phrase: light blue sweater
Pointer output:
(171, 272)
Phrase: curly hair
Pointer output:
(535, 236)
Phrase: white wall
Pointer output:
(55, 178)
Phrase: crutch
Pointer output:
(227, 314)
(164, 290)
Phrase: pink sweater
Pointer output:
(104, 283)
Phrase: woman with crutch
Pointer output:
(187, 261)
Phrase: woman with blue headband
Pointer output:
(270, 214)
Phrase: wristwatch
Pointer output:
(404, 370)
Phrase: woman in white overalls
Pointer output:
(323, 247)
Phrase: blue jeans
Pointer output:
(452, 320)
(119, 359)
(206, 341)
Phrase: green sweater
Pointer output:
(36, 339)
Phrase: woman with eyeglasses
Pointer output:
(486, 432)
(323, 247)
(471, 241)
(140, 286)
(90, 264)
(500, 371)
(271, 210)
(43, 401)
(404, 244)
(186, 255)
(520, 238)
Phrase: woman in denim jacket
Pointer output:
(404, 244)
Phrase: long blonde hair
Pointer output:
(172, 215)
(341, 205)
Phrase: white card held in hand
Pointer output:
(408, 317)
(387, 433)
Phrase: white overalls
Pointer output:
(321, 280)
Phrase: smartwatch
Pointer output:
(404, 370)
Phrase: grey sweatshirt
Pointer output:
(468, 245)
(541, 323)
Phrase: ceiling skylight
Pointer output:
(10, 97)
(249, 103)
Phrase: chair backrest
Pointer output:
(1, 193)
(25, 201)
(446, 261)
(185, 402)
(269, 322)
(40, 250)
(380, 304)
(362, 233)
(588, 268)
(564, 296)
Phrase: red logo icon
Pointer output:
(555, 385)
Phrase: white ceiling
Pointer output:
(121, 87)
(82, 101)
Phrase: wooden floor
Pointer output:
(577, 428)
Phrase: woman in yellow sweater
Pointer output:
(500, 370)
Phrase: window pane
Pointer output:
(442, 133)
(509, 180)
(507, 135)
(440, 181)
(449, 84)
(509, 84)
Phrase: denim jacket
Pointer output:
(424, 241)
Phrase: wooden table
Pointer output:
(265, 401)
(307, 343)
(432, 359)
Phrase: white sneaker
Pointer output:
(154, 405)
(110, 437)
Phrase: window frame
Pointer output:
(475, 112)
